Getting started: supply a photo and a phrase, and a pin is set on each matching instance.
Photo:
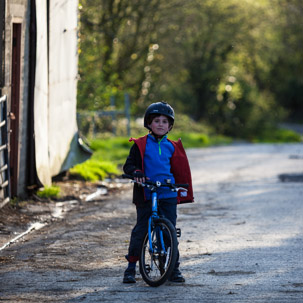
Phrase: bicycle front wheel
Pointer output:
(158, 256)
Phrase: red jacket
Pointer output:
(179, 167)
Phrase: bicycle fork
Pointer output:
(161, 248)
(153, 216)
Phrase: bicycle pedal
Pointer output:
(178, 232)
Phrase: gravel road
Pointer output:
(241, 240)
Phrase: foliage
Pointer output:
(93, 170)
(184, 123)
(109, 154)
(233, 66)
(285, 72)
(14, 201)
(49, 192)
(114, 149)
(190, 140)
(116, 41)
(278, 136)
(225, 68)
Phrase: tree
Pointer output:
(224, 52)
(286, 71)
(117, 40)
(236, 65)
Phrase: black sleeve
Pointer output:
(133, 161)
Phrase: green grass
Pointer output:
(190, 140)
(113, 149)
(49, 192)
(110, 153)
(93, 170)
(278, 136)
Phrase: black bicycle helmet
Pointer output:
(159, 108)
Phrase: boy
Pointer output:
(157, 158)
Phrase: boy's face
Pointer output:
(160, 125)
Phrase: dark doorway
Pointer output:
(2, 40)
(15, 105)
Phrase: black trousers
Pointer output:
(168, 208)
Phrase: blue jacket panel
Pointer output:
(157, 165)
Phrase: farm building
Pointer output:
(38, 87)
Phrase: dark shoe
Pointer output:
(176, 276)
(129, 276)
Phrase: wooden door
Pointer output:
(15, 105)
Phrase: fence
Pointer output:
(4, 163)
(111, 121)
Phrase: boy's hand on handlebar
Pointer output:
(139, 176)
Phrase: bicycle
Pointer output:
(159, 249)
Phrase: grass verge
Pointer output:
(110, 154)
(49, 192)
(279, 135)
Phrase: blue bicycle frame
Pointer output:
(160, 246)
(153, 217)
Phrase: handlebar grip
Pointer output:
(132, 178)
(125, 176)
(182, 185)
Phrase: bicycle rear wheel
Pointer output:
(157, 262)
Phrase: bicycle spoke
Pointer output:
(157, 262)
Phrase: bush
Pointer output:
(93, 170)
(49, 192)
(190, 140)
(278, 136)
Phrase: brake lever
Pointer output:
(180, 188)
(141, 184)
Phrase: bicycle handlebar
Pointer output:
(157, 183)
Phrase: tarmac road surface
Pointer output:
(241, 240)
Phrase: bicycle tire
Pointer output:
(156, 268)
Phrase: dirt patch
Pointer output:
(16, 218)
